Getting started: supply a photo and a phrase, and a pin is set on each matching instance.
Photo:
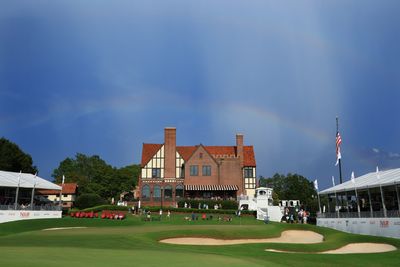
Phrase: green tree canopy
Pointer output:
(95, 176)
(12, 158)
(292, 187)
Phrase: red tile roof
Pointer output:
(67, 189)
(149, 150)
(248, 156)
(186, 151)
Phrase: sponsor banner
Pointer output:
(16, 215)
(389, 227)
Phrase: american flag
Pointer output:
(338, 142)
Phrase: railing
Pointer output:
(362, 214)
(242, 198)
(35, 207)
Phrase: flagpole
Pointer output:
(370, 204)
(17, 192)
(62, 183)
(355, 189)
(382, 197)
(316, 188)
(340, 159)
(33, 191)
(336, 200)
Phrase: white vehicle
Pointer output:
(262, 202)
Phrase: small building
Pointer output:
(170, 172)
(68, 194)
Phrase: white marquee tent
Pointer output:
(26, 180)
(369, 180)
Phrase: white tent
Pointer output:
(10, 179)
(369, 180)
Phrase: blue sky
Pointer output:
(102, 77)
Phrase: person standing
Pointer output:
(168, 214)
(305, 215)
(160, 214)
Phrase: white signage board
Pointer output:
(389, 227)
(16, 215)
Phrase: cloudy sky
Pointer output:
(102, 78)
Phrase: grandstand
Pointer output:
(369, 204)
(18, 200)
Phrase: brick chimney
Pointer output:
(169, 152)
(239, 147)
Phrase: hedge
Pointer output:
(106, 207)
(226, 204)
(183, 210)
(88, 200)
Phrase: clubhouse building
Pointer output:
(170, 172)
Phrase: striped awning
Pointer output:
(190, 187)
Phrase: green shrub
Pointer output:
(106, 207)
(88, 200)
(213, 211)
(225, 204)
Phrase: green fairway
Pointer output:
(133, 242)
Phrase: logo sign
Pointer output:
(384, 224)
(24, 214)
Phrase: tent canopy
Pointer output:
(369, 180)
(10, 179)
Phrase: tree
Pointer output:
(95, 176)
(129, 176)
(12, 158)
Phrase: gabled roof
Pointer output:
(369, 180)
(67, 189)
(248, 155)
(206, 150)
(149, 150)
(26, 180)
(186, 151)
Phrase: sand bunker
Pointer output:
(361, 248)
(351, 248)
(290, 236)
(62, 228)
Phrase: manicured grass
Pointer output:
(133, 242)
